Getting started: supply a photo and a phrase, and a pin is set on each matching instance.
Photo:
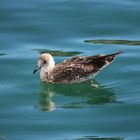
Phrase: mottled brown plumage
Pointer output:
(74, 70)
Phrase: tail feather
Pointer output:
(101, 60)
(110, 57)
(113, 55)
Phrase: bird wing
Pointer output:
(80, 66)
(71, 70)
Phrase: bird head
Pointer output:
(45, 60)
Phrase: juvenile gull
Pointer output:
(74, 70)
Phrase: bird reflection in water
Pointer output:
(45, 101)
(84, 93)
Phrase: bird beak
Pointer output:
(36, 69)
(39, 65)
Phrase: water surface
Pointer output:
(31, 110)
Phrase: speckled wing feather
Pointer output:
(74, 69)
(80, 68)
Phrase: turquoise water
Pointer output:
(31, 110)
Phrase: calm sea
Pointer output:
(31, 110)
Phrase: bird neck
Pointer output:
(46, 70)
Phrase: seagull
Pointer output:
(73, 70)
